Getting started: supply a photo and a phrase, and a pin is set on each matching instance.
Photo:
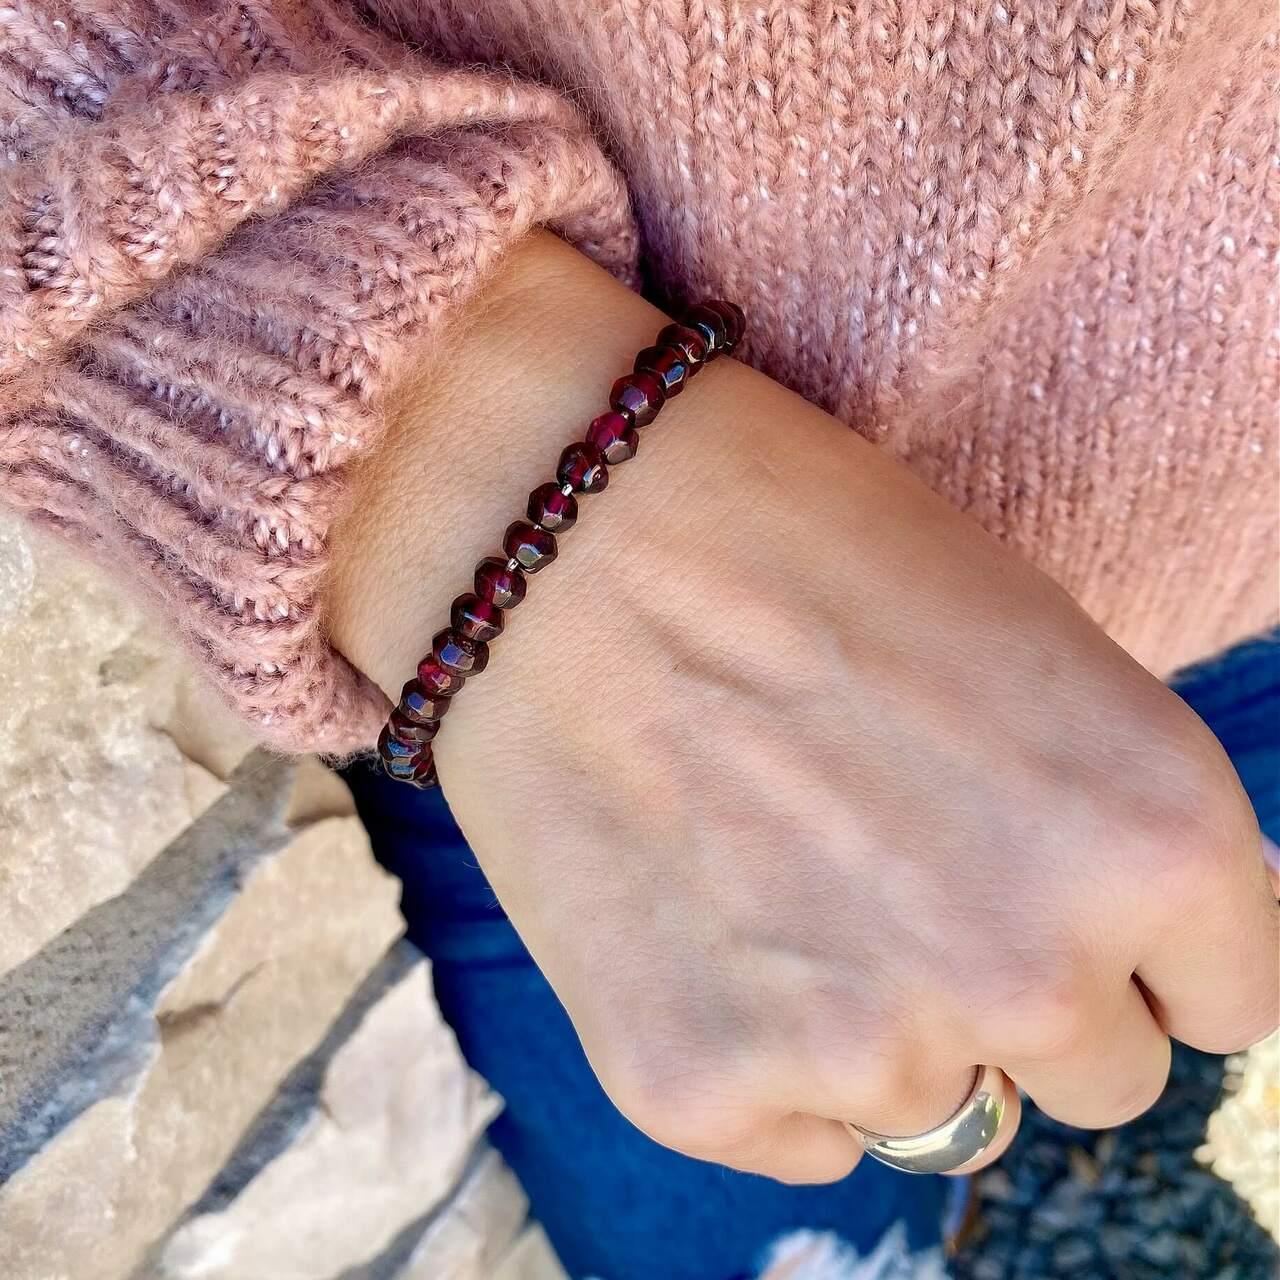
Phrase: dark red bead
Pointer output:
(614, 436)
(412, 731)
(419, 705)
(398, 758)
(638, 397)
(582, 467)
(667, 364)
(391, 747)
(424, 773)
(476, 619)
(437, 679)
(498, 583)
(532, 547)
(400, 770)
(552, 508)
(457, 654)
(688, 342)
(735, 321)
(711, 325)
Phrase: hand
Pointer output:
(805, 794)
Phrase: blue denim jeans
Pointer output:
(615, 1204)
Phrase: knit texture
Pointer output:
(1030, 247)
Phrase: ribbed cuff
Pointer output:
(193, 425)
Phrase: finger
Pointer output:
(898, 1096)
(897, 1083)
(1212, 973)
(797, 1148)
(911, 1110)
(1108, 1067)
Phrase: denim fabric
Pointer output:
(615, 1204)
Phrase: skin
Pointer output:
(805, 794)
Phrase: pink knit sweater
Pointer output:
(1028, 245)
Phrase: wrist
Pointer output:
(468, 434)
(712, 509)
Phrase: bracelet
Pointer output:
(462, 648)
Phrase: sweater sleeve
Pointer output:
(223, 231)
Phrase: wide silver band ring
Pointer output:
(956, 1143)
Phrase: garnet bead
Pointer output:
(688, 342)
(420, 706)
(735, 322)
(476, 619)
(582, 467)
(552, 508)
(711, 325)
(398, 758)
(667, 364)
(532, 547)
(461, 656)
(438, 680)
(499, 584)
(391, 747)
(638, 397)
(614, 436)
(407, 730)
(400, 770)
(461, 650)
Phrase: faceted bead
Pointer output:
(498, 583)
(552, 508)
(614, 436)
(582, 467)
(735, 321)
(398, 758)
(400, 770)
(667, 364)
(420, 706)
(424, 774)
(411, 730)
(534, 548)
(711, 325)
(437, 679)
(476, 619)
(461, 656)
(688, 342)
(391, 747)
(638, 397)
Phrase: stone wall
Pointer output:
(217, 1056)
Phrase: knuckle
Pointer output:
(1127, 1096)
(1187, 845)
(864, 1060)
(1188, 818)
(1242, 1029)
(1138, 1097)
(816, 1174)
(1047, 1013)
(1255, 1024)
(683, 1100)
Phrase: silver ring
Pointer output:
(955, 1143)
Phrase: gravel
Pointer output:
(1138, 1202)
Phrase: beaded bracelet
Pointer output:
(462, 648)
